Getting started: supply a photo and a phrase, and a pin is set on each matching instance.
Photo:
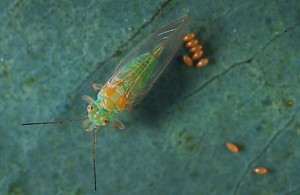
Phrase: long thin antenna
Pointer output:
(56, 122)
(94, 159)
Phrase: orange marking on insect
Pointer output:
(187, 60)
(197, 55)
(188, 37)
(196, 49)
(203, 62)
(121, 103)
(192, 43)
(232, 147)
(109, 91)
(260, 170)
(109, 104)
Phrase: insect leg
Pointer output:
(94, 158)
(117, 123)
(97, 86)
(88, 99)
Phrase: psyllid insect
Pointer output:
(131, 80)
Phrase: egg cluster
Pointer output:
(196, 49)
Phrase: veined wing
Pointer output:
(162, 44)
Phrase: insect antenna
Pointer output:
(94, 159)
(56, 122)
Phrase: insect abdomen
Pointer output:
(123, 88)
(138, 71)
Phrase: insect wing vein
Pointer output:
(162, 45)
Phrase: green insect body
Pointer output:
(138, 72)
(115, 95)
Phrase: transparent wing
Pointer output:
(166, 39)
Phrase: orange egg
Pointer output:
(232, 147)
(203, 62)
(290, 103)
(196, 49)
(187, 60)
(192, 43)
(188, 37)
(197, 55)
(260, 170)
